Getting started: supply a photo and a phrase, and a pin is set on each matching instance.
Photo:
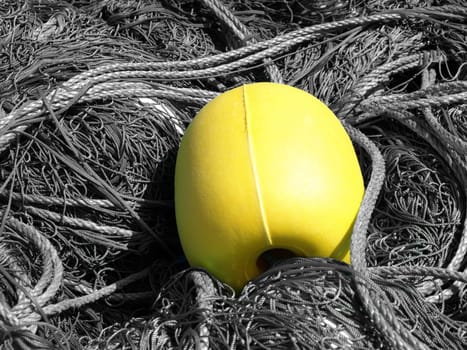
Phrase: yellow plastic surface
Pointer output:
(264, 166)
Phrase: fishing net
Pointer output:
(94, 99)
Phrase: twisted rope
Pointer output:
(52, 274)
(111, 231)
(106, 82)
(295, 37)
(78, 202)
(76, 88)
(380, 75)
(227, 17)
(394, 106)
(459, 168)
(92, 297)
(439, 272)
(428, 80)
(205, 291)
(244, 35)
(61, 98)
(381, 314)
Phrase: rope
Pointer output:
(111, 231)
(381, 75)
(79, 202)
(92, 297)
(205, 291)
(429, 95)
(64, 97)
(76, 88)
(382, 315)
(227, 17)
(296, 37)
(439, 272)
(243, 34)
(405, 118)
(52, 274)
(134, 81)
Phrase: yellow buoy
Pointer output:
(261, 167)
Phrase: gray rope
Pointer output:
(62, 98)
(243, 33)
(392, 105)
(78, 202)
(71, 90)
(229, 19)
(382, 74)
(204, 292)
(395, 106)
(296, 37)
(67, 304)
(111, 231)
(455, 162)
(428, 80)
(52, 271)
(439, 272)
(381, 314)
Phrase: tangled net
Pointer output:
(94, 98)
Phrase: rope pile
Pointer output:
(94, 98)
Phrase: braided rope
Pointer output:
(25, 291)
(243, 33)
(226, 16)
(428, 80)
(93, 85)
(454, 141)
(91, 90)
(79, 202)
(381, 314)
(460, 167)
(111, 231)
(62, 98)
(398, 100)
(394, 105)
(204, 291)
(420, 271)
(7, 317)
(305, 33)
(93, 297)
(382, 74)
(161, 69)
(71, 90)
(21, 278)
(52, 271)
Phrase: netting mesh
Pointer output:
(94, 99)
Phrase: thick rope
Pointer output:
(62, 98)
(381, 314)
(67, 304)
(429, 95)
(382, 74)
(52, 274)
(111, 231)
(298, 36)
(205, 292)
(456, 163)
(76, 89)
(104, 82)
(80, 202)
(243, 34)
(439, 272)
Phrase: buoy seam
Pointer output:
(254, 169)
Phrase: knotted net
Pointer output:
(94, 98)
